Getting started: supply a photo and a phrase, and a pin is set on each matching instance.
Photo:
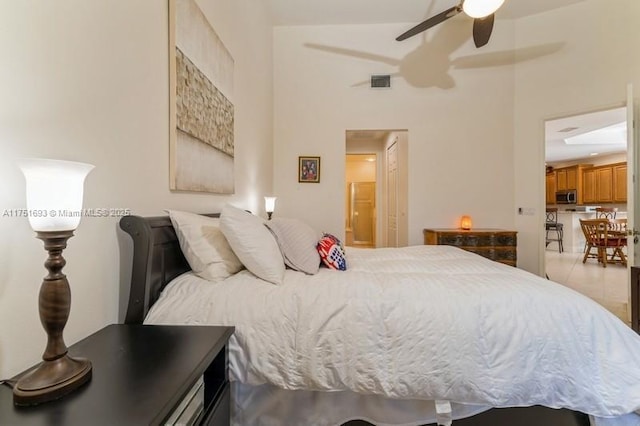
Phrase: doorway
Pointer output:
(586, 154)
(376, 194)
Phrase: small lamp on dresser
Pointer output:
(465, 222)
(54, 207)
(269, 206)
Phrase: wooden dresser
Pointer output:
(495, 244)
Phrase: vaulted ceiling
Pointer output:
(344, 12)
(327, 12)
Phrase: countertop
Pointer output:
(590, 213)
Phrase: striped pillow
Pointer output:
(297, 242)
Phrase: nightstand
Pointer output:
(495, 244)
(142, 375)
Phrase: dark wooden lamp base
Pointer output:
(52, 380)
(58, 373)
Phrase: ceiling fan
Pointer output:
(481, 10)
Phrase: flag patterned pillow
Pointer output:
(332, 252)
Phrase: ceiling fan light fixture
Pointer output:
(481, 8)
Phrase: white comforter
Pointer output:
(423, 322)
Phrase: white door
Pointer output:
(392, 195)
(633, 220)
(633, 209)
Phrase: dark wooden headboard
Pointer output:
(157, 259)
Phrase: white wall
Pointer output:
(88, 81)
(600, 55)
(459, 120)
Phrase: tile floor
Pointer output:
(607, 286)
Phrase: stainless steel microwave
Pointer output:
(567, 197)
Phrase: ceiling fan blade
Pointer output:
(431, 22)
(482, 28)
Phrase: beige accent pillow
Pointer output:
(204, 245)
(297, 242)
(252, 242)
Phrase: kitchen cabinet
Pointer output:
(561, 180)
(589, 186)
(567, 178)
(551, 188)
(620, 183)
(605, 184)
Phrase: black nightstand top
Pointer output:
(140, 373)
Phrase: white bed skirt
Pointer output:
(267, 405)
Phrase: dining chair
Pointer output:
(606, 212)
(618, 225)
(554, 231)
(601, 234)
(618, 230)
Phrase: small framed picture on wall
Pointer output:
(309, 169)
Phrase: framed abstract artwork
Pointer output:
(309, 169)
(201, 112)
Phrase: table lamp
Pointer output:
(54, 208)
(269, 206)
(465, 222)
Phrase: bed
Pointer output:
(404, 336)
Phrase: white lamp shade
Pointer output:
(481, 8)
(269, 204)
(54, 193)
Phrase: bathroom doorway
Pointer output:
(376, 188)
(361, 200)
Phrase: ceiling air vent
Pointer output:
(380, 81)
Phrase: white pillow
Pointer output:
(297, 242)
(204, 246)
(252, 242)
